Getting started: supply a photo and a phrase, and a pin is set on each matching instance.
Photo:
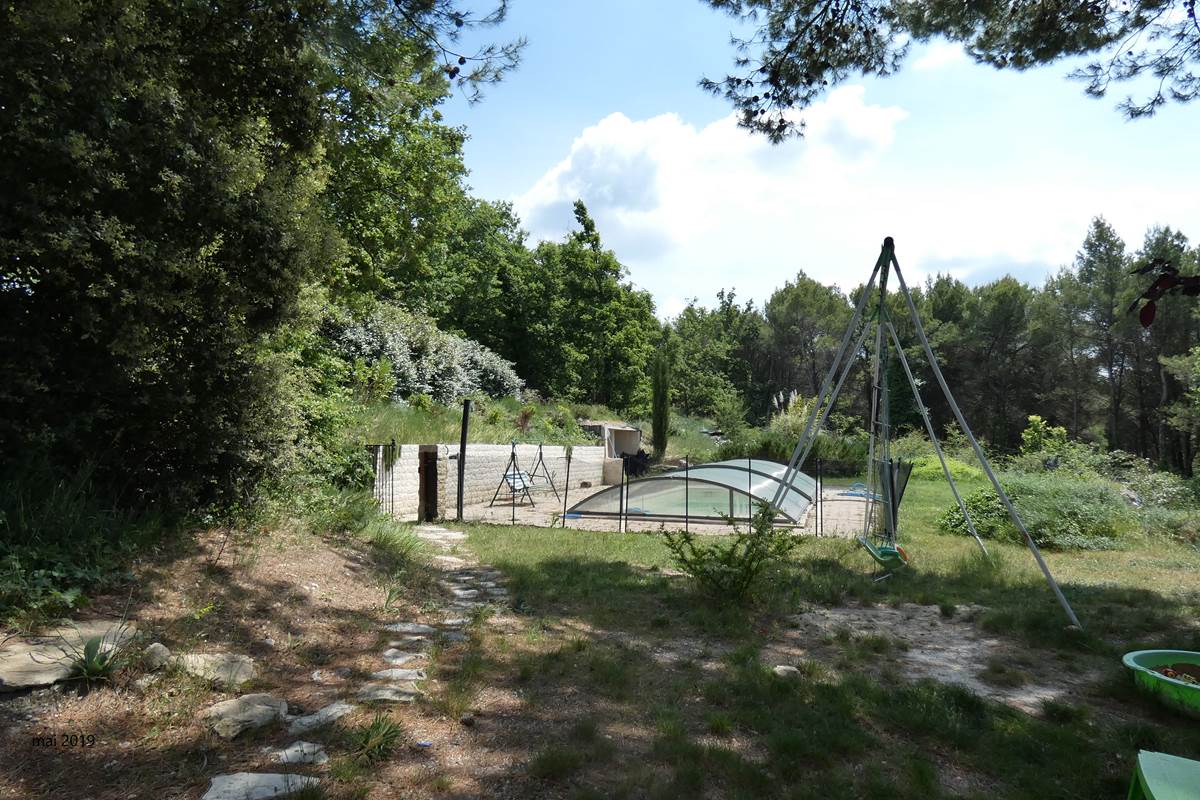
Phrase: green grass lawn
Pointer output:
(602, 608)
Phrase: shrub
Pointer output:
(1059, 512)
(424, 360)
(1175, 523)
(726, 567)
(928, 468)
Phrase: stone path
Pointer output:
(396, 681)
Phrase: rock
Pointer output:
(786, 671)
(465, 594)
(319, 719)
(301, 753)
(467, 719)
(256, 786)
(401, 657)
(227, 669)
(155, 656)
(231, 717)
(389, 693)
(454, 636)
(415, 628)
(410, 642)
(399, 675)
(454, 622)
(42, 660)
(146, 681)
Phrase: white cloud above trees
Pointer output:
(693, 209)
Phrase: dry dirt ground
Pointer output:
(916, 641)
(298, 603)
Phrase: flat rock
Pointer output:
(155, 656)
(231, 717)
(785, 671)
(42, 660)
(399, 675)
(465, 594)
(454, 622)
(302, 753)
(410, 642)
(319, 719)
(454, 636)
(401, 657)
(389, 693)
(255, 786)
(227, 669)
(415, 628)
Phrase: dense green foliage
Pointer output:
(1058, 511)
(799, 48)
(157, 225)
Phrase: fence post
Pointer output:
(621, 499)
(462, 457)
(687, 466)
(567, 484)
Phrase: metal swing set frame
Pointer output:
(884, 488)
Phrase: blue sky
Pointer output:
(975, 172)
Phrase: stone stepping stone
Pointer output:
(326, 676)
(226, 669)
(466, 606)
(410, 627)
(48, 658)
(450, 562)
(454, 636)
(318, 719)
(389, 693)
(420, 643)
(301, 753)
(465, 594)
(399, 675)
(454, 622)
(400, 657)
(230, 717)
(256, 786)
(497, 592)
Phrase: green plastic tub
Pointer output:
(1175, 693)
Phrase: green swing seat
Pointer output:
(890, 558)
(893, 480)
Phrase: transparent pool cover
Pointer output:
(707, 491)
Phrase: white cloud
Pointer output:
(695, 209)
(938, 55)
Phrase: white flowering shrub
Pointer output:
(426, 360)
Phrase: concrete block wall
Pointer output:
(405, 485)
(486, 463)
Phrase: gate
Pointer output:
(383, 461)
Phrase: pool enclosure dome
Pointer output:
(706, 492)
